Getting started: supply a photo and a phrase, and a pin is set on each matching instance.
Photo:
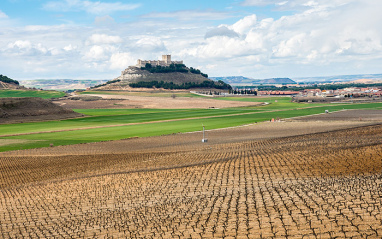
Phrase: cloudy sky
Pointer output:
(97, 39)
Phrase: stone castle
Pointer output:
(166, 61)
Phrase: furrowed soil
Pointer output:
(267, 180)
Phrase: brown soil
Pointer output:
(273, 180)
(126, 102)
(344, 115)
(14, 110)
(8, 86)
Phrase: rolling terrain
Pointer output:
(272, 169)
(244, 183)
(104, 124)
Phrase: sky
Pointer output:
(97, 39)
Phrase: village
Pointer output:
(339, 93)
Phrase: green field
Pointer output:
(115, 124)
(31, 93)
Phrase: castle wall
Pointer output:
(166, 61)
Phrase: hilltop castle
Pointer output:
(166, 61)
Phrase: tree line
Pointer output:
(243, 92)
(187, 85)
(6, 79)
(172, 68)
(107, 83)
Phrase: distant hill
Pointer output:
(277, 81)
(241, 80)
(235, 79)
(339, 78)
(61, 84)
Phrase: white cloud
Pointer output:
(99, 53)
(3, 15)
(70, 47)
(93, 7)
(23, 47)
(295, 4)
(104, 20)
(291, 47)
(150, 44)
(121, 61)
(221, 31)
(323, 33)
(190, 15)
(260, 2)
(243, 25)
(104, 39)
(328, 35)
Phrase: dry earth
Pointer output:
(133, 101)
(345, 115)
(267, 180)
(29, 109)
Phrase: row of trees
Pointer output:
(197, 71)
(6, 79)
(107, 83)
(172, 68)
(243, 92)
(187, 85)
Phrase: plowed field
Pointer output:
(293, 182)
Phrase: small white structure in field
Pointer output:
(204, 138)
(326, 111)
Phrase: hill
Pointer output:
(8, 83)
(61, 84)
(6, 79)
(175, 76)
(234, 80)
(339, 78)
(272, 81)
(241, 80)
(8, 86)
(32, 109)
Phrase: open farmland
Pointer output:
(268, 180)
(116, 124)
(31, 93)
(152, 100)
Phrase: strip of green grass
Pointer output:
(108, 112)
(31, 93)
(160, 128)
(105, 120)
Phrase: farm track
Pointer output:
(315, 185)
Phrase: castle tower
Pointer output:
(166, 59)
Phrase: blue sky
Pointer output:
(97, 39)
